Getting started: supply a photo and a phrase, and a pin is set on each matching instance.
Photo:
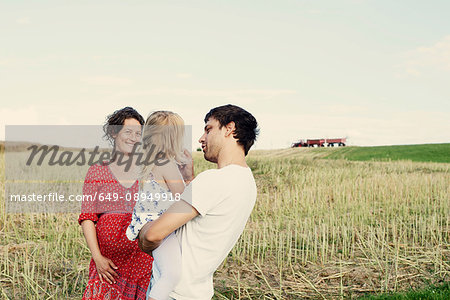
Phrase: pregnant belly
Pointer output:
(111, 237)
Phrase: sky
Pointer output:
(374, 71)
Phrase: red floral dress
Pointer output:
(111, 209)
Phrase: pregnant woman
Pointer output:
(118, 268)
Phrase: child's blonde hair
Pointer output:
(163, 132)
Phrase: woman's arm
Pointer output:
(105, 266)
(90, 235)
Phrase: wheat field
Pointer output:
(321, 229)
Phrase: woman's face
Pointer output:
(128, 136)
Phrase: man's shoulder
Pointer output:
(237, 172)
(231, 171)
(206, 174)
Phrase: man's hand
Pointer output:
(144, 244)
(187, 170)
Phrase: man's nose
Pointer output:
(201, 139)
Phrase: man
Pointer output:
(216, 204)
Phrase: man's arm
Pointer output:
(152, 234)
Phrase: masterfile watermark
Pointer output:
(102, 197)
(69, 158)
(46, 168)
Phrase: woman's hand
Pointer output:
(105, 269)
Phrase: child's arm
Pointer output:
(172, 177)
(187, 169)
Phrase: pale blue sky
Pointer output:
(375, 71)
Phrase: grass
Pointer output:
(439, 292)
(420, 153)
(321, 229)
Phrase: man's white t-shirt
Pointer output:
(224, 199)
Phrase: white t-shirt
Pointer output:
(224, 199)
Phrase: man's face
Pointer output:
(212, 140)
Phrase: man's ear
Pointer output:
(230, 127)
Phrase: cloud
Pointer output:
(342, 109)
(23, 21)
(22, 116)
(184, 75)
(107, 80)
(367, 129)
(314, 11)
(192, 97)
(210, 92)
(427, 58)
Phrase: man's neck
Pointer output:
(234, 156)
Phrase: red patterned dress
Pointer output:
(112, 219)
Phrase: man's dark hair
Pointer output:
(246, 126)
(114, 122)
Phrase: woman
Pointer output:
(118, 268)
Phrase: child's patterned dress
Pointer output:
(157, 200)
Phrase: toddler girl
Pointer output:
(160, 186)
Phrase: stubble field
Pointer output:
(321, 229)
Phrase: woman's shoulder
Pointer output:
(98, 170)
(98, 167)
